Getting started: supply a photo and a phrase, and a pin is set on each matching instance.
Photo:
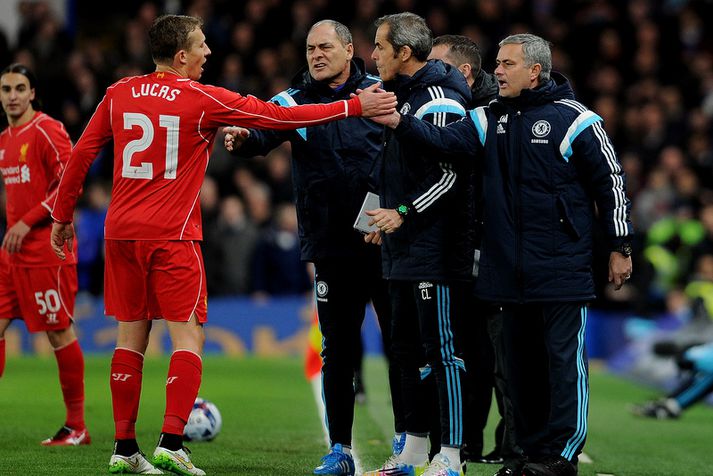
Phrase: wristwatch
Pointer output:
(403, 210)
(624, 249)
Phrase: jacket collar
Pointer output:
(305, 82)
(556, 88)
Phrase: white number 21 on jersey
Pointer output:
(145, 170)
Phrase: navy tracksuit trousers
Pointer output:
(547, 376)
(343, 288)
(425, 316)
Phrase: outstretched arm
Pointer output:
(229, 108)
(461, 138)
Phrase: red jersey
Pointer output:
(32, 159)
(163, 128)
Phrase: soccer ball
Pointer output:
(204, 422)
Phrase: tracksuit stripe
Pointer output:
(694, 392)
(434, 193)
(582, 393)
(619, 214)
(450, 365)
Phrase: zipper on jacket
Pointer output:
(517, 199)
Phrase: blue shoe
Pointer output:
(397, 444)
(336, 462)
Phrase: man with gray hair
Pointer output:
(424, 220)
(333, 168)
(547, 162)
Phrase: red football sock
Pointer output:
(71, 377)
(125, 383)
(184, 379)
(2, 356)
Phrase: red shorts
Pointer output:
(42, 297)
(155, 279)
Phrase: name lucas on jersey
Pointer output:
(155, 90)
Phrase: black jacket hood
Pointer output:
(484, 89)
(434, 73)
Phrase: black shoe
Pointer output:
(550, 466)
(491, 458)
(467, 454)
(505, 471)
(511, 468)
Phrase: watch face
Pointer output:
(403, 209)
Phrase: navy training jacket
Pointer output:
(435, 241)
(546, 162)
(333, 166)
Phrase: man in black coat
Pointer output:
(334, 165)
(425, 215)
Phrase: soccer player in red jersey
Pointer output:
(163, 126)
(36, 285)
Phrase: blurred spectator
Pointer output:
(89, 223)
(277, 268)
(211, 246)
(647, 68)
(237, 238)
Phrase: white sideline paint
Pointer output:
(584, 458)
(316, 382)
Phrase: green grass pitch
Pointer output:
(271, 428)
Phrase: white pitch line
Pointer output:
(584, 458)
(357, 462)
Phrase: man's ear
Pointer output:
(180, 58)
(535, 71)
(350, 51)
(466, 69)
(405, 53)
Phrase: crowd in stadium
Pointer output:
(646, 67)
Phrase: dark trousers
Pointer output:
(343, 288)
(547, 377)
(425, 316)
(482, 348)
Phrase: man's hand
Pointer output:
(235, 137)
(373, 237)
(620, 268)
(14, 236)
(391, 121)
(62, 233)
(375, 101)
(387, 219)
